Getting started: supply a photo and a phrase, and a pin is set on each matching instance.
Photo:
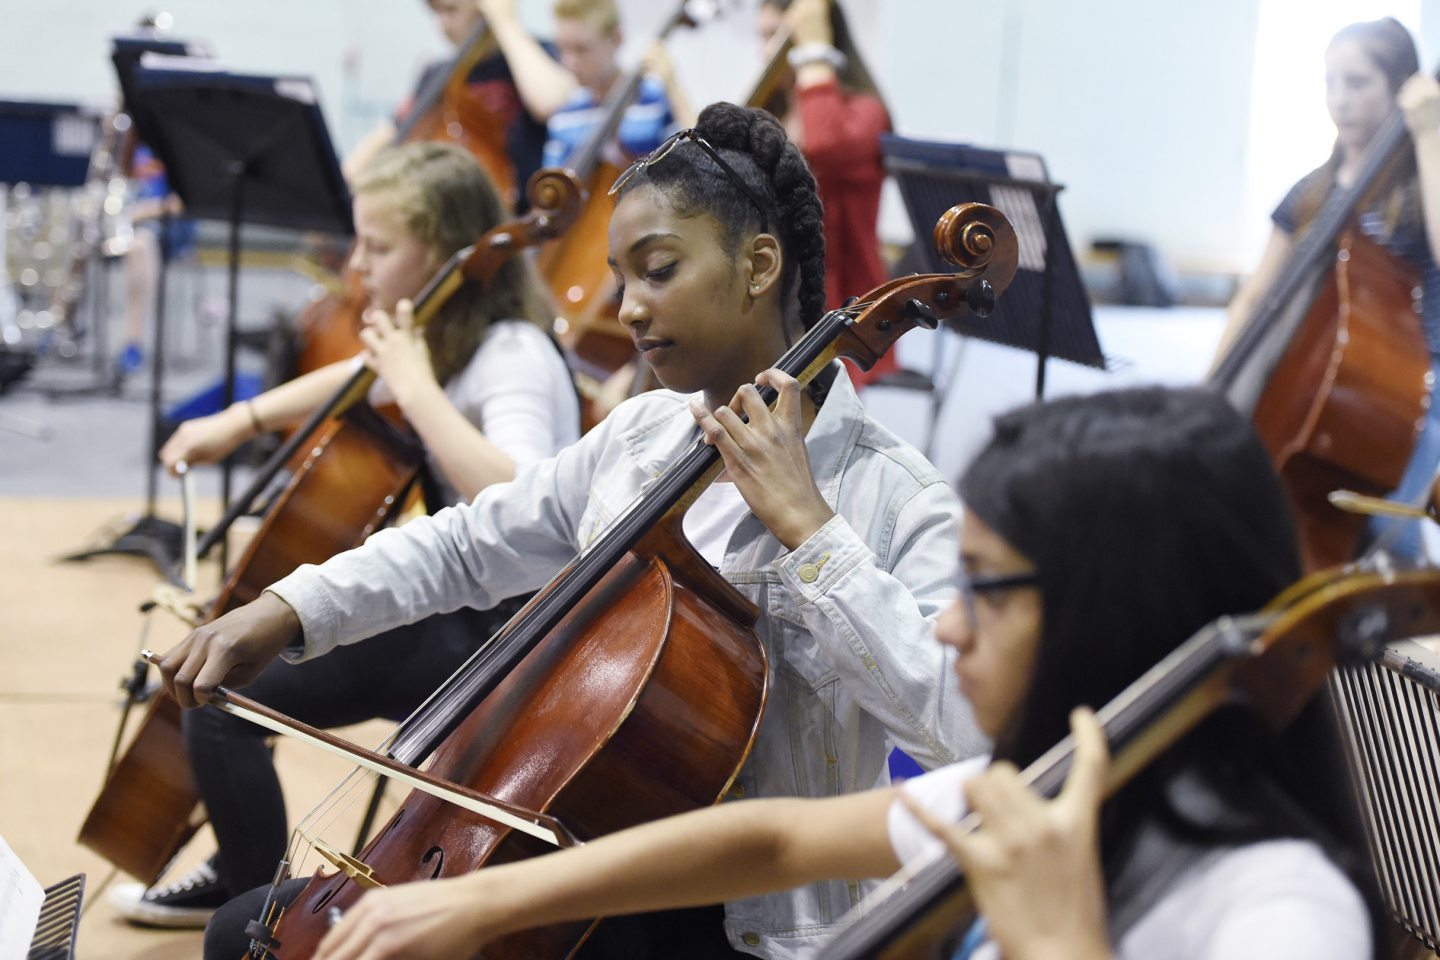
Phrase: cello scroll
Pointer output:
(975, 237)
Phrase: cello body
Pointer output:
(1346, 402)
(644, 703)
(462, 119)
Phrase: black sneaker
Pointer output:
(184, 904)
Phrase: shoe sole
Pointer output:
(169, 918)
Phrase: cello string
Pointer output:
(335, 803)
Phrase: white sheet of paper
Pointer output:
(21, 897)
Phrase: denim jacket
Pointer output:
(847, 617)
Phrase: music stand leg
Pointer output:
(238, 171)
(1042, 351)
(160, 541)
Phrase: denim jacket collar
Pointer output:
(655, 443)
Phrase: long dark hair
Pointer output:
(1392, 50)
(755, 145)
(1184, 521)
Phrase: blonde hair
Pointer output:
(602, 13)
(446, 201)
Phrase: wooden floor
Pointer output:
(68, 632)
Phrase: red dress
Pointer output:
(841, 142)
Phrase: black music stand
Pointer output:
(242, 148)
(1046, 309)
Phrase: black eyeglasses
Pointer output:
(972, 587)
(662, 151)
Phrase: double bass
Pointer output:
(574, 266)
(1333, 368)
(357, 472)
(1272, 663)
(444, 110)
(632, 686)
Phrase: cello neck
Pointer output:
(934, 903)
(622, 94)
(763, 89)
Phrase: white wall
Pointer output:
(59, 49)
(1142, 108)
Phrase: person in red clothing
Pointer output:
(834, 113)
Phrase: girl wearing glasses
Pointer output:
(1082, 573)
(844, 537)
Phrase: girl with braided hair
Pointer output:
(843, 537)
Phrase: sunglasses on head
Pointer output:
(662, 151)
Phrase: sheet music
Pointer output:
(21, 897)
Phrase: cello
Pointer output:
(443, 110)
(631, 687)
(1272, 663)
(1333, 368)
(574, 265)
(356, 474)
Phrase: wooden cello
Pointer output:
(1334, 368)
(574, 265)
(355, 476)
(443, 110)
(1272, 663)
(631, 687)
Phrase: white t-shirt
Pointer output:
(517, 391)
(1273, 900)
(711, 520)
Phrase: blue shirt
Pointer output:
(646, 124)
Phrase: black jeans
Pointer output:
(694, 934)
(385, 676)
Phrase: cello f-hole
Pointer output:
(438, 855)
(326, 897)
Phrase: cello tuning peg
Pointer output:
(920, 313)
(981, 298)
